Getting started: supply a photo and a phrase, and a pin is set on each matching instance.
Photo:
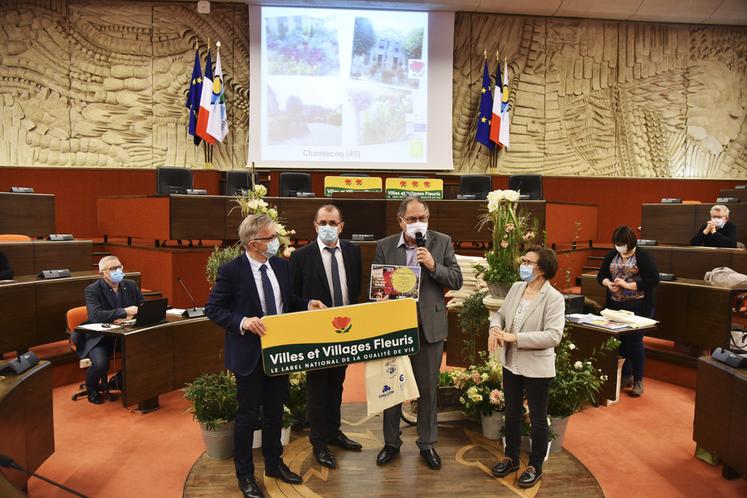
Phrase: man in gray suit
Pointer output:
(439, 271)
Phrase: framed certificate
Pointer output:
(394, 282)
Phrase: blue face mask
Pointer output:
(117, 275)
(328, 234)
(526, 272)
(272, 248)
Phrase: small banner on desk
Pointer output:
(350, 184)
(425, 188)
(332, 337)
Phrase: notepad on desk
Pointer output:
(99, 327)
(628, 318)
(595, 320)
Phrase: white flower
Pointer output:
(604, 377)
(495, 196)
(493, 206)
(578, 365)
(511, 195)
(253, 204)
(496, 397)
(484, 377)
(272, 213)
(262, 203)
(287, 252)
(571, 346)
(260, 190)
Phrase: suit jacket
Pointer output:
(725, 236)
(103, 309)
(431, 305)
(538, 332)
(234, 297)
(310, 279)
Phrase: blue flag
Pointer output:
(193, 97)
(486, 111)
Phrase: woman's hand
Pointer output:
(610, 285)
(493, 338)
(625, 285)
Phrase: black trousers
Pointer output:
(325, 397)
(261, 400)
(631, 345)
(538, 394)
(100, 355)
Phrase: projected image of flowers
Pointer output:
(301, 45)
(303, 113)
(380, 116)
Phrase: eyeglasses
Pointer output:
(266, 239)
(327, 223)
(525, 261)
(115, 268)
(416, 219)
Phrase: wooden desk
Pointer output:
(29, 258)
(694, 261)
(27, 429)
(677, 223)
(27, 214)
(164, 357)
(720, 413)
(692, 312)
(740, 193)
(33, 311)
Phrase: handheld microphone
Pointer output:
(7, 462)
(419, 239)
(195, 312)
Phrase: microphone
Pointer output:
(7, 462)
(419, 239)
(195, 312)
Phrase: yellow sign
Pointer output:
(348, 184)
(310, 340)
(427, 188)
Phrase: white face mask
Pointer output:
(719, 222)
(328, 234)
(413, 228)
(621, 249)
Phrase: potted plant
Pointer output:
(285, 433)
(511, 232)
(482, 394)
(473, 320)
(214, 405)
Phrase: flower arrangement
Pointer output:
(511, 230)
(481, 387)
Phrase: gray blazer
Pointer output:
(431, 306)
(539, 331)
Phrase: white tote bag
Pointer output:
(389, 381)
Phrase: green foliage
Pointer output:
(413, 45)
(577, 381)
(217, 258)
(297, 400)
(473, 319)
(214, 398)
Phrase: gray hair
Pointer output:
(252, 225)
(721, 208)
(406, 201)
(106, 259)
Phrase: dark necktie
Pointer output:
(336, 286)
(269, 294)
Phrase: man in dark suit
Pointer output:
(255, 284)
(439, 270)
(109, 299)
(328, 269)
(717, 231)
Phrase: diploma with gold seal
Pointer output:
(394, 282)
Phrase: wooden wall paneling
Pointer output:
(668, 223)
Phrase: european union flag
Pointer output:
(486, 111)
(193, 97)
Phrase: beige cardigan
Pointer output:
(539, 331)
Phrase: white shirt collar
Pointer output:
(402, 241)
(322, 245)
(254, 263)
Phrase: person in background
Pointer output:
(328, 269)
(109, 299)
(718, 231)
(630, 276)
(527, 327)
(6, 272)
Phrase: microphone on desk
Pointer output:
(7, 462)
(195, 312)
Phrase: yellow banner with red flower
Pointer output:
(311, 340)
(426, 188)
(350, 184)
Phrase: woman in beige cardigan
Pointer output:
(527, 328)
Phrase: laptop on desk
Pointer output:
(149, 313)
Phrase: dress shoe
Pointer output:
(93, 397)
(386, 454)
(637, 388)
(250, 487)
(285, 474)
(431, 458)
(626, 382)
(504, 467)
(529, 477)
(344, 442)
(325, 457)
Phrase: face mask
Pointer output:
(526, 272)
(621, 249)
(272, 248)
(413, 228)
(328, 234)
(719, 222)
(117, 275)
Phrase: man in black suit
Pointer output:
(255, 284)
(109, 299)
(718, 231)
(328, 269)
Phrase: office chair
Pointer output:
(477, 185)
(530, 185)
(14, 237)
(171, 180)
(236, 181)
(292, 182)
(75, 317)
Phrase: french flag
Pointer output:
(205, 102)
(495, 119)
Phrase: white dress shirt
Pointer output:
(327, 262)
(257, 274)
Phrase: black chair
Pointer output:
(293, 182)
(475, 185)
(236, 181)
(171, 180)
(530, 185)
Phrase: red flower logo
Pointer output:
(403, 183)
(427, 184)
(359, 182)
(415, 183)
(348, 182)
(342, 324)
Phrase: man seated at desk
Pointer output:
(718, 231)
(6, 272)
(112, 298)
